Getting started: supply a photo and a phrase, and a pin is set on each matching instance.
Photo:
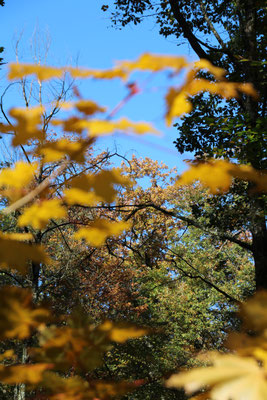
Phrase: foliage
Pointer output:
(65, 351)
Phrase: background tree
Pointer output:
(232, 35)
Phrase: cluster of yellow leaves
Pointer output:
(238, 376)
(218, 175)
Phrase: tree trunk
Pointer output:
(259, 251)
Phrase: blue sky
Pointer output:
(81, 32)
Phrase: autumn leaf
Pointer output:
(29, 374)
(98, 127)
(55, 151)
(120, 332)
(231, 377)
(104, 127)
(39, 214)
(88, 107)
(155, 63)
(218, 175)
(18, 315)
(207, 65)
(98, 74)
(88, 189)
(26, 128)
(18, 177)
(100, 230)
(8, 354)
(42, 72)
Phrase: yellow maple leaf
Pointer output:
(16, 254)
(19, 176)
(218, 175)
(88, 107)
(8, 354)
(104, 127)
(26, 127)
(120, 332)
(88, 189)
(42, 72)
(55, 151)
(99, 230)
(214, 175)
(98, 74)
(231, 377)
(39, 214)
(98, 127)
(18, 315)
(177, 104)
(154, 63)
(29, 374)
(205, 64)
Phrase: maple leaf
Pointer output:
(121, 332)
(99, 230)
(29, 374)
(8, 354)
(219, 73)
(19, 176)
(39, 214)
(88, 107)
(26, 127)
(218, 175)
(231, 377)
(98, 74)
(55, 151)
(104, 127)
(42, 72)
(154, 63)
(98, 127)
(18, 316)
(88, 189)
(16, 254)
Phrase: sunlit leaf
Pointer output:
(101, 229)
(120, 332)
(29, 374)
(27, 126)
(218, 175)
(154, 62)
(100, 127)
(98, 74)
(42, 72)
(19, 176)
(231, 377)
(18, 315)
(88, 189)
(55, 151)
(8, 354)
(207, 65)
(39, 214)
(88, 107)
